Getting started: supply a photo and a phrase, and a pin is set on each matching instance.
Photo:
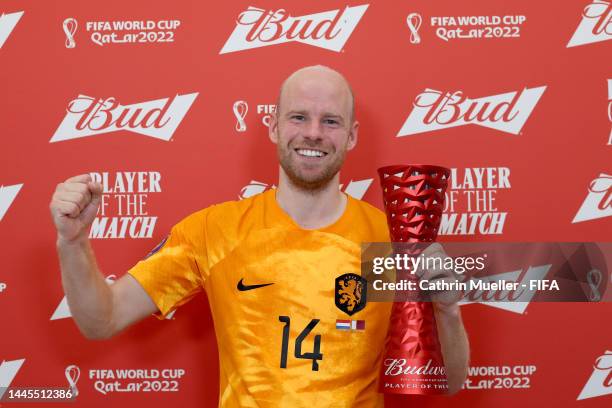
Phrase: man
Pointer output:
(269, 265)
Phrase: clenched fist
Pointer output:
(74, 206)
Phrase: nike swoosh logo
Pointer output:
(242, 287)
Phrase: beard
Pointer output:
(310, 180)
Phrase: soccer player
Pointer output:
(281, 269)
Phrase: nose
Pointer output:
(313, 131)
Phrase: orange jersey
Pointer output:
(293, 325)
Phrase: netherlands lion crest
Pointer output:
(350, 293)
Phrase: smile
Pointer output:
(310, 153)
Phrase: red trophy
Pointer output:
(413, 196)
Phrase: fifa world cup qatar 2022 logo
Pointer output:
(70, 26)
(240, 109)
(414, 21)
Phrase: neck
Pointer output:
(311, 209)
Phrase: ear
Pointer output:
(273, 128)
(352, 139)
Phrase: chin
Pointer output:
(312, 182)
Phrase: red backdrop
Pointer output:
(169, 103)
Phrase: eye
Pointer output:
(298, 117)
(332, 122)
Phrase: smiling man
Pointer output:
(314, 128)
(281, 269)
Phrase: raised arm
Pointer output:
(99, 310)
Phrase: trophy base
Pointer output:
(420, 376)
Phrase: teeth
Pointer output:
(310, 153)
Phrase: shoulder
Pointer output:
(369, 210)
(228, 215)
(373, 218)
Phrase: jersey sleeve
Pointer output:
(175, 271)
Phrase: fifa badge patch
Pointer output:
(350, 293)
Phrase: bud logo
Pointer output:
(600, 382)
(7, 196)
(8, 371)
(516, 302)
(7, 23)
(598, 203)
(355, 189)
(257, 27)
(87, 116)
(596, 24)
(253, 188)
(434, 110)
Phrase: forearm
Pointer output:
(454, 342)
(89, 297)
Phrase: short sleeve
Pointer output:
(175, 270)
